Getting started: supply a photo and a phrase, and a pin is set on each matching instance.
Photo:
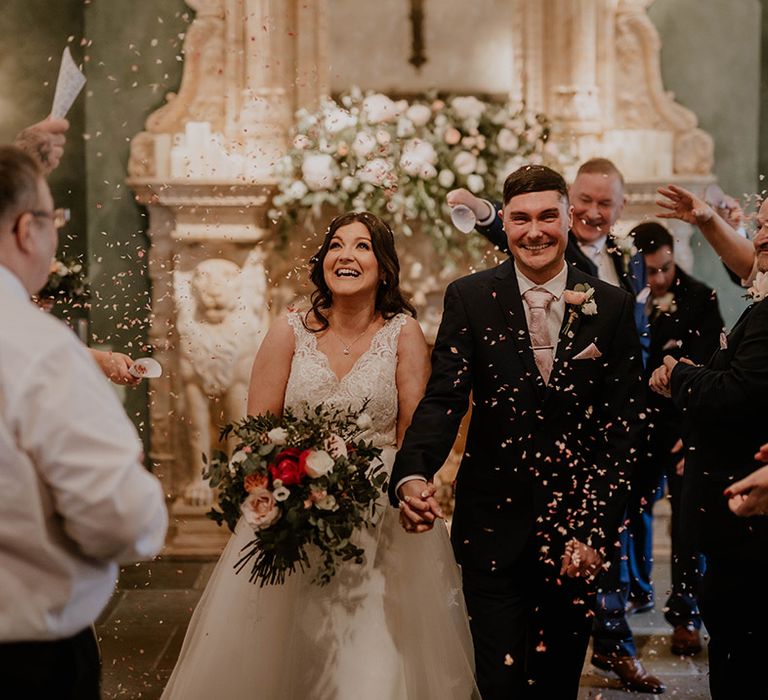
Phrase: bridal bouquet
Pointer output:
(300, 482)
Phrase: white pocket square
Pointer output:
(672, 344)
(588, 353)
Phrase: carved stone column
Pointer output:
(203, 169)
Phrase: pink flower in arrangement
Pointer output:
(260, 509)
(255, 481)
(574, 298)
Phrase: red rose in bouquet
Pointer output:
(288, 467)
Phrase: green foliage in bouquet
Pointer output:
(305, 483)
(399, 159)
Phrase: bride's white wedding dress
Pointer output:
(393, 628)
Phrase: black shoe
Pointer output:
(634, 606)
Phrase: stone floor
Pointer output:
(142, 629)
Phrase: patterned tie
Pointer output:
(538, 300)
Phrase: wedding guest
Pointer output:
(749, 496)
(76, 499)
(44, 142)
(724, 425)
(685, 321)
(598, 198)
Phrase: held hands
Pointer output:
(44, 142)
(580, 561)
(660, 378)
(478, 206)
(418, 507)
(750, 495)
(684, 205)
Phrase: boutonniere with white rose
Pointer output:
(664, 304)
(298, 481)
(759, 289)
(581, 300)
(624, 242)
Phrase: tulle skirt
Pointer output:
(393, 628)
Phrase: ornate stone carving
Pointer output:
(220, 319)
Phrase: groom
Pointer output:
(555, 380)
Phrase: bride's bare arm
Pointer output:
(271, 368)
(412, 373)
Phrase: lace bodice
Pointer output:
(312, 381)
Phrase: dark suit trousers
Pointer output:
(65, 669)
(530, 631)
(732, 600)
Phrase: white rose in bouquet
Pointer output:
(318, 463)
(465, 163)
(419, 114)
(278, 436)
(379, 108)
(418, 158)
(363, 144)
(317, 171)
(364, 421)
(236, 459)
(468, 107)
(337, 120)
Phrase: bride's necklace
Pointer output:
(347, 346)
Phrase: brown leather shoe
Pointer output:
(631, 673)
(686, 641)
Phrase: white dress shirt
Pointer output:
(74, 496)
(596, 252)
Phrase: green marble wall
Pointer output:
(711, 62)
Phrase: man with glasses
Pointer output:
(75, 498)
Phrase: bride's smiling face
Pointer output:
(350, 265)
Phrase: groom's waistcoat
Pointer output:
(549, 462)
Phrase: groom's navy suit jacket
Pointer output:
(543, 462)
(724, 424)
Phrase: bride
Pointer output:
(395, 627)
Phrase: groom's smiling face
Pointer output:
(536, 225)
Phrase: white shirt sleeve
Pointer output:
(86, 451)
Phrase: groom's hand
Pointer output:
(418, 507)
(580, 560)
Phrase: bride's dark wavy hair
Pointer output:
(389, 298)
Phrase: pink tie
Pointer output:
(538, 301)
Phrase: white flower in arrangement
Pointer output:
(418, 159)
(379, 108)
(278, 436)
(759, 289)
(327, 503)
(317, 171)
(419, 114)
(237, 459)
(475, 183)
(383, 137)
(337, 120)
(281, 493)
(301, 141)
(363, 144)
(446, 178)
(364, 421)
(375, 171)
(508, 141)
(349, 183)
(318, 463)
(468, 107)
(465, 163)
(297, 190)
(405, 128)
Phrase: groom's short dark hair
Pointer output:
(534, 178)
